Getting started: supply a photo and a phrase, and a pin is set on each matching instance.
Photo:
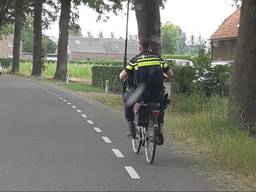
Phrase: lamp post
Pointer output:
(126, 41)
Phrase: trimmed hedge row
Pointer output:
(101, 73)
(6, 62)
(187, 80)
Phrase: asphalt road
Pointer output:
(53, 140)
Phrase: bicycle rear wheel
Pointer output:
(150, 141)
(137, 142)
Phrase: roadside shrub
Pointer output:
(215, 80)
(184, 77)
(101, 73)
(98, 62)
(6, 62)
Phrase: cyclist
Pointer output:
(145, 74)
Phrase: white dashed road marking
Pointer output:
(74, 107)
(118, 153)
(97, 129)
(84, 116)
(133, 174)
(69, 103)
(78, 111)
(106, 139)
(90, 122)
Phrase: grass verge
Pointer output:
(80, 72)
(204, 122)
(77, 86)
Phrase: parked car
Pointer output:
(179, 62)
(228, 63)
(1, 69)
(51, 57)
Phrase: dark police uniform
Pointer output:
(146, 69)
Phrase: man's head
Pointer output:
(144, 45)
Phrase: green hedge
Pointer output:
(98, 62)
(6, 62)
(101, 73)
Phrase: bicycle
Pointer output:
(146, 123)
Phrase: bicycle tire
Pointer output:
(150, 141)
(137, 142)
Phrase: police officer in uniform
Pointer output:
(144, 72)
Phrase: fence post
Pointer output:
(168, 88)
(106, 87)
(67, 78)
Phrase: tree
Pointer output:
(66, 20)
(37, 38)
(100, 35)
(19, 5)
(173, 39)
(195, 45)
(89, 34)
(148, 20)
(243, 88)
(112, 35)
(61, 69)
(6, 12)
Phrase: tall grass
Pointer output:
(204, 121)
(78, 71)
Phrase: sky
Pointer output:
(193, 16)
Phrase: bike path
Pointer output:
(52, 140)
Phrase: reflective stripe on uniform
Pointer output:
(148, 63)
(147, 59)
(129, 67)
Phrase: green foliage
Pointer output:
(204, 122)
(6, 62)
(98, 62)
(102, 73)
(49, 46)
(184, 77)
(173, 39)
(82, 87)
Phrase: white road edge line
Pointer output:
(106, 139)
(84, 116)
(133, 174)
(118, 153)
(90, 122)
(97, 129)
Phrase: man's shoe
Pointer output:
(159, 138)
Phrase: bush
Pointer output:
(214, 81)
(102, 73)
(184, 77)
(6, 62)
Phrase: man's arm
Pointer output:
(123, 75)
(168, 74)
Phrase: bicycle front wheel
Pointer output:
(150, 141)
(137, 142)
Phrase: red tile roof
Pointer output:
(229, 27)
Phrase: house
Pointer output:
(81, 48)
(224, 40)
(6, 46)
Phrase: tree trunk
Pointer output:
(37, 40)
(243, 88)
(148, 20)
(61, 70)
(17, 35)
